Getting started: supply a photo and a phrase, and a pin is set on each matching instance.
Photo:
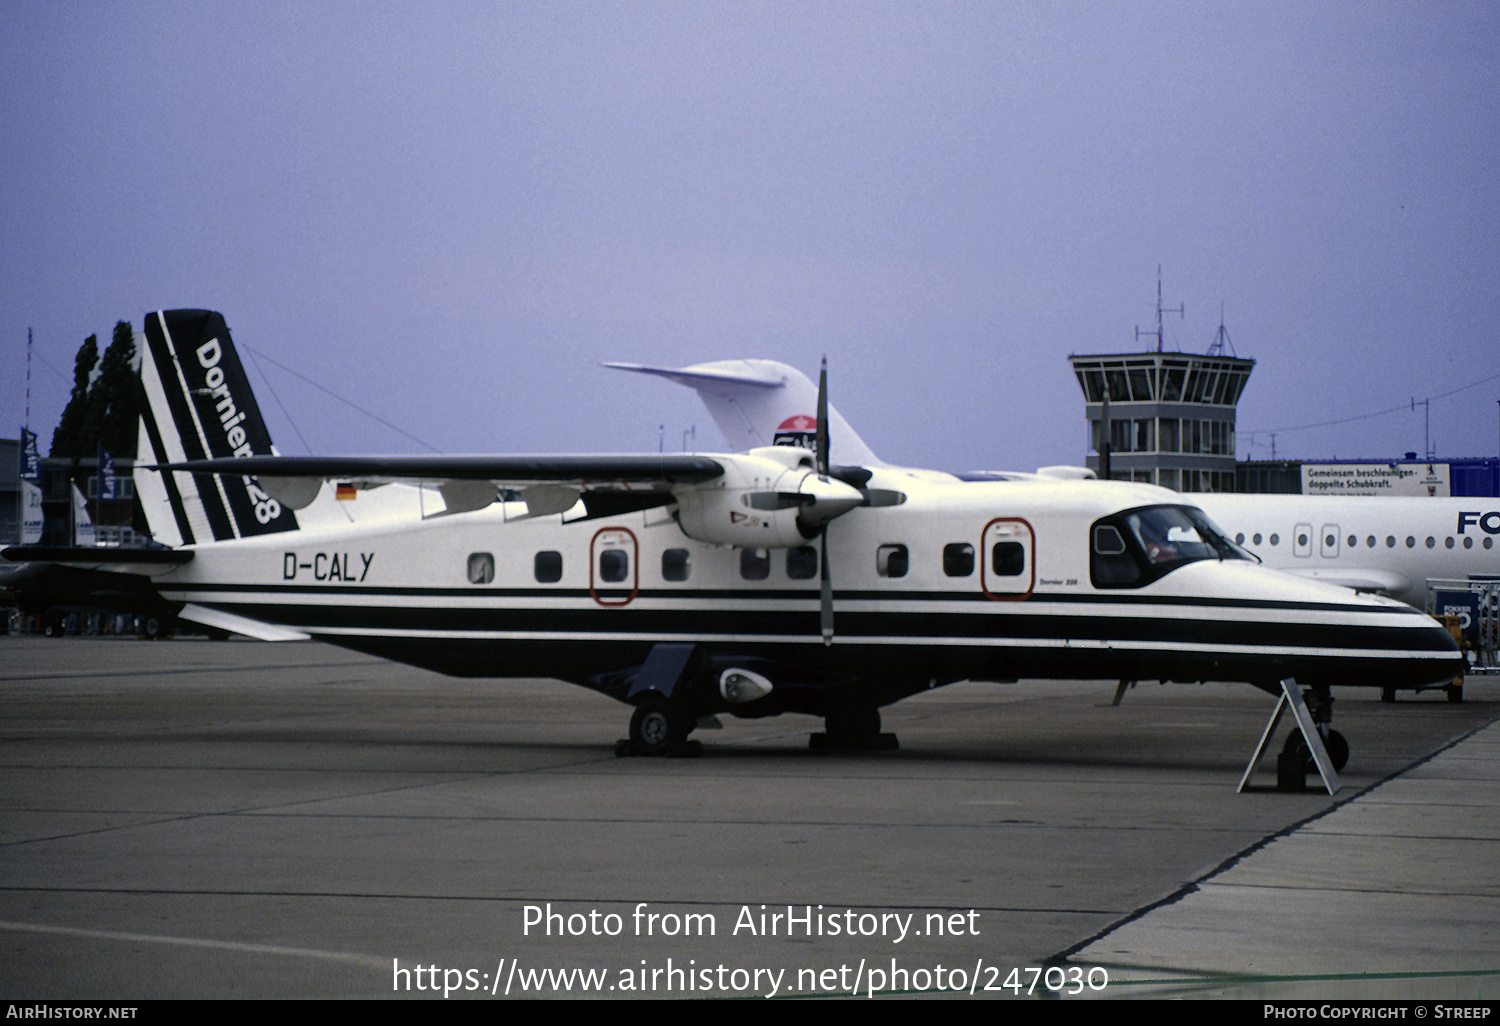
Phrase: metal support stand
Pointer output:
(1291, 696)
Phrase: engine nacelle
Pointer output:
(767, 499)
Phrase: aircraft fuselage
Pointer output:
(959, 581)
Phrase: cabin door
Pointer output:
(1007, 559)
(614, 566)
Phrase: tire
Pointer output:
(1335, 743)
(859, 723)
(658, 725)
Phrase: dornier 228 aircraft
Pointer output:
(750, 583)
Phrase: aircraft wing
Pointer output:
(609, 484)
(666, 469)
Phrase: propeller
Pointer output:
(821, 458)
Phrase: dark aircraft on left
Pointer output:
(51, 591)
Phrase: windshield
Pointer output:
(1139, 546)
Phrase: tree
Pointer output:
(123, 398)
(67, 439)
(107, 411)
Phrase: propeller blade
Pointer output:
(822, 442)
(826, 618)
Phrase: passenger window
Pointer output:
(614, 566)
(675, 565)
(1008, 559)
(755, 564)
(548, 567)
(481, 568)
(802, 563)
(958, 559)
(891, 561)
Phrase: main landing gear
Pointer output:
(659, 726)
(855, 729)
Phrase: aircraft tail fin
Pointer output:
(200, 406)
(763, 402)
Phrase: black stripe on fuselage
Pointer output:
(793, 594)
(1013, 623)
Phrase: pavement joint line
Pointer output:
(364, 961)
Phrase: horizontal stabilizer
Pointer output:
(239, 624)
(705, 376)
(763, 402)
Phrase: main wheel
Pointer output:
(859, 723)
(658, 725)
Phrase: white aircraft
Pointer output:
(750, 583)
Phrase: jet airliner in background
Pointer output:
(750, 583)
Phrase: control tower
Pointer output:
(1171, 416)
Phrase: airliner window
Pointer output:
(958, 559)
(481, 568)
(802, 563)
(891, 561)
(675, 565)
(614, 566)
(1007, 558)
(755, 564)
(548, 567)
(1139, 546)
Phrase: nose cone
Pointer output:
(1288, 626)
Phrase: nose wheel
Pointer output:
(1297, 754)
(1312, 747)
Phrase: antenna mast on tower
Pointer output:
(1180, 310)
(1221, 340)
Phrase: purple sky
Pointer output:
(449, 213)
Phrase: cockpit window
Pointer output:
(1138, 546)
